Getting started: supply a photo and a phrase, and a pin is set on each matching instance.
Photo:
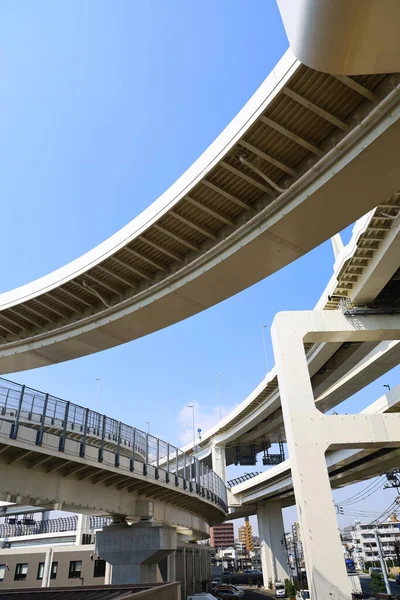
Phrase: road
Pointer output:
(253, 594)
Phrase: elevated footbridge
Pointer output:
(307, 155)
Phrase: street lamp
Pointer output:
(219, 396)
(386, 385)
(194, 430)
(263, 327)
(98, 394)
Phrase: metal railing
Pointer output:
(46, 413)
(58, 525)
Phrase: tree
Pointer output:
(290, 589)
(377, 583)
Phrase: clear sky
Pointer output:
(102, 106)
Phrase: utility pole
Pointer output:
(296, 560)
(284, 544)
(382, 561)
(219, 396)
(263, 327)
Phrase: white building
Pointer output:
(365, 546)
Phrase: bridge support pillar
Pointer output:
(219, 460)
(271, 532)
(310, 434)
(135, 551)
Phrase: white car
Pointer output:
(280, 590)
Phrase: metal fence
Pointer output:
(25, 406)
(58, 525)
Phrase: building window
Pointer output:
(40, 571)
(2, 571)
(99, 568)
(54, 566)
(21, 571)
(75, 569)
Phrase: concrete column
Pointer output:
(219, 460)
(325, 566)
(135, 551)
(47, 567)
(108, 574)
(82, 527)
(171, 559)
(271, 532)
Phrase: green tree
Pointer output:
(377, 583)
(290, 589)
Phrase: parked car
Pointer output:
(375, 570)
(230, 586)
(227, 593)
(215, 583)
(398, 579)
(280, 590)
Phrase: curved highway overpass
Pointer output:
(366, 272)
(345, 467)
(58, 454)
(276, 183)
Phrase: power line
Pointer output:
(368, 490)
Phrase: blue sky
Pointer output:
(102, 106)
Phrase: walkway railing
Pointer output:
(57, 525)
(46, 413)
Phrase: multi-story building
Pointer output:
(222, 536)
(245, 534)
(61, 552)
(365, 552)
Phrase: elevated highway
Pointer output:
(366, 272)
(56, 454)
(344, 466)
(276, 183)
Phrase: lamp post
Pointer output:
(98, 394)
(194, 430)
(219, 396)
(263, 327)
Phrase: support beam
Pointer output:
(175, 237)
(128, 267)
(106, 286)
(116, 275)
(50, 308)
(144, 258)
(321, 541)
(324, 114)
(19, 457)
(39, 314)
(135, 551)
(226, 195)
(271, 532)
(357, 87)
(292, 136)
(268, 158)
(74, 296)
(189, 223)
(219, 460)
(63, 303)
(161, 248)
(245, 177)
(210, 211)
(25, 318)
